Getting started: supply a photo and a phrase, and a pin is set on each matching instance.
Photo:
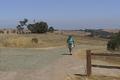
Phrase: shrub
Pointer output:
(114, 43)
(51, 29)
(34, 40)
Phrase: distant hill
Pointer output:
(101, 32)
(112, 30)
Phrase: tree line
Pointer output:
(36, 27)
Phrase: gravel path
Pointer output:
(44, 64)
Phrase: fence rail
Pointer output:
(109, 67)
(105, 54)
(89, 64)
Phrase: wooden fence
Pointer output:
(89, 64)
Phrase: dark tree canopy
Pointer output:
(23, 23)
(39, 27)
(51, 29)
(114, 43)
(20, 27)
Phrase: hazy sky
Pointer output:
(62, 14)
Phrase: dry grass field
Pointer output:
(44, 40)
(25, 41)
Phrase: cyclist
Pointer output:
(71, 43)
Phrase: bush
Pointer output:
(34, 40)
(51, 29)
(114, 43)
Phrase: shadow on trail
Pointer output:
(84, 75)
(66, 54)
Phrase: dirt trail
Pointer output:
(60, 69)
(68, 66)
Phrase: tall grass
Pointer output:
(44, 40)
(25, 41)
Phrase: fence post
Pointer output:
(88, 65)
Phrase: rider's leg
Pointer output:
(70, 50)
